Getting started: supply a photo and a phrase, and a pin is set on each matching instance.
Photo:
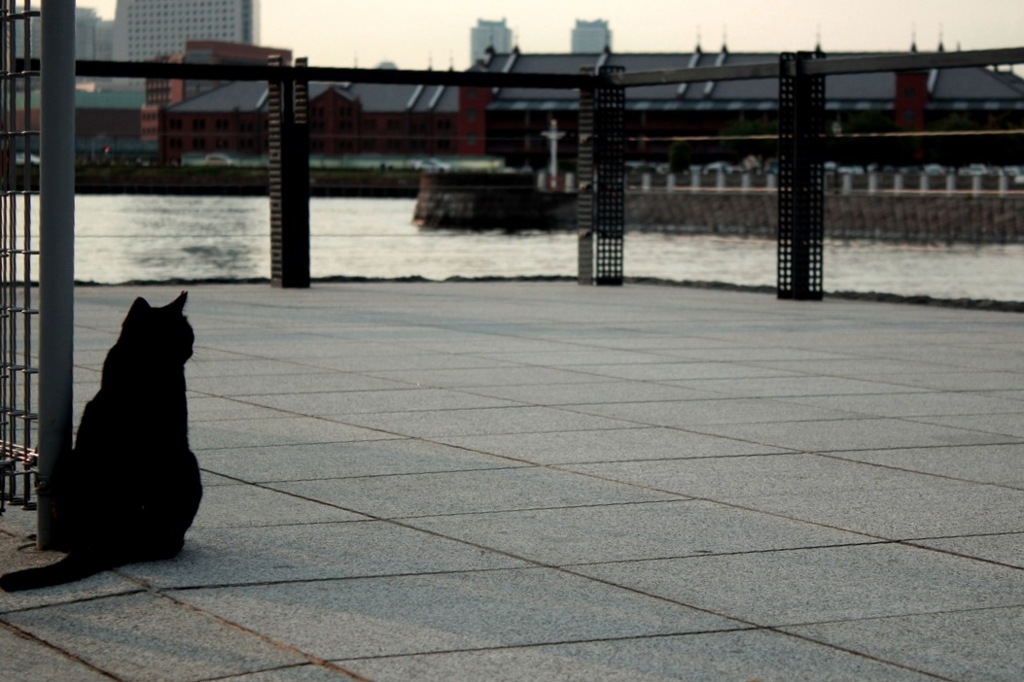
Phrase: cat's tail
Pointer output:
(75, 566)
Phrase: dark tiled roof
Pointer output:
(960, 88)
(248, 96)
(951, 88)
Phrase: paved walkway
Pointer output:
(540, 481)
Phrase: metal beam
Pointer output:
(548, 81)
(698, 74)
(238, 72)
(914, 61)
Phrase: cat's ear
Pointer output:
(140, 306)
(178, 304)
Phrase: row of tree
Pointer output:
(872, 137)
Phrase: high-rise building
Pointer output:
(489, 34)
(86, 24)
(591, 37)
(145, 29)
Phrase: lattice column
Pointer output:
(585, 194)
(289, 180)
(801, 179)
(20, 358)
(610, 196)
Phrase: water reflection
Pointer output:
(125, 238)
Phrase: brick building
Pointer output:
(344, 119)
(423, 121)
(163, 92)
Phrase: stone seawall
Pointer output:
(913, 218)
(512, 202)
(491, 202)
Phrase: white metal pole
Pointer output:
(56, 247)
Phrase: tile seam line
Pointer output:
(24, 634)
(281, 646)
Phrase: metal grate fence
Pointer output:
(18, 191)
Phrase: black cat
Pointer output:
(130, 488)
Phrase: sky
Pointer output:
(418, 34)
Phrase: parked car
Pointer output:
(719, 167)
(431, 165)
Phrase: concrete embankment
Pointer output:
(512, 202)
(907, 217)
(491, 202)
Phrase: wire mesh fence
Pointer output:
(18, 311)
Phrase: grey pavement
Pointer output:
(541, 481)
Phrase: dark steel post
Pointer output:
(585, 193)
(610, 192)
(289, 180)
(801, 179)
(56, 251)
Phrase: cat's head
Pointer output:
(162, 332)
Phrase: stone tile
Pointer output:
(739, 655)
(510, 376)
(827, 584)
(245, 506)
(146, 636)
(938, 644)
(1010, 425)
(612, 445)
(777, 387)
(467, 492)
(683, 371)
(916, 404)
(613, 391)
(435, 613)
(961, 381)
(860, 498)
(314, 461)
(853, 434)
(242, 433)
(1002, 548)
(996, 464)
(625, 532)
(519, 419)
(310, 552)
(370, 402)
(313, 382)
(322, 671)
(574, 356)
(203, 408)
(26, 660)
(688, 413)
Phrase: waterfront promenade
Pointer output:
(541, 481)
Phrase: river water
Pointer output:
(121, 238)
